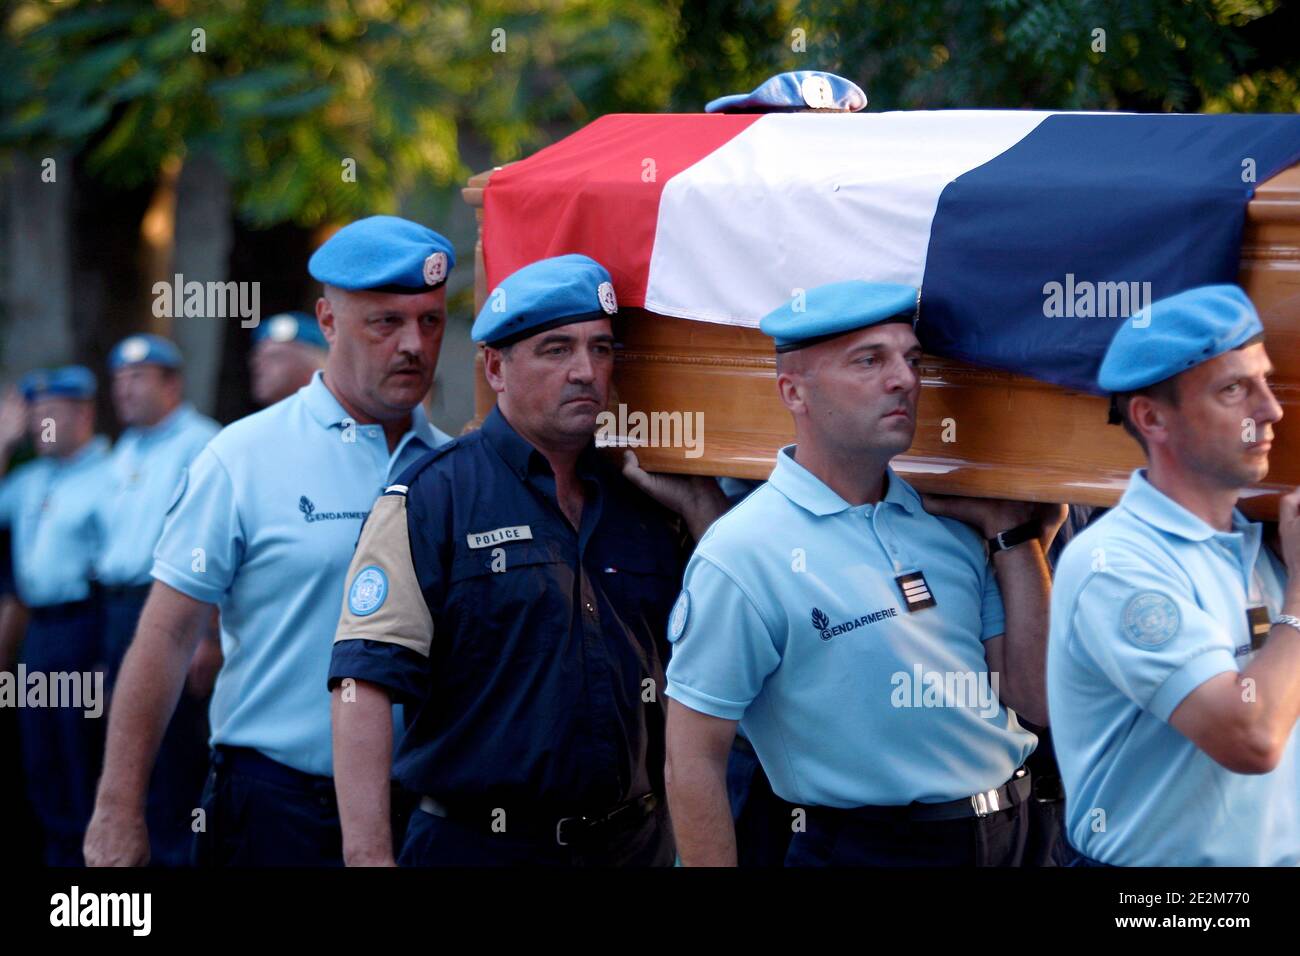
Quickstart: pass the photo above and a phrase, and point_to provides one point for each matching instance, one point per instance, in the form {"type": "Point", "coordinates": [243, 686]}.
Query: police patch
{"type": "Point", "coordinates": [677, 618]}
{"type": "Point", "coordinates": [369, 588]}
{"type": "Point", "coordinates": [1150, 618]}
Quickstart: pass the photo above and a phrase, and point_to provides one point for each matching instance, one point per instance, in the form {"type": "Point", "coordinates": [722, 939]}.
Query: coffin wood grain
{"type": "Point", "coordinates": [1014, 437]}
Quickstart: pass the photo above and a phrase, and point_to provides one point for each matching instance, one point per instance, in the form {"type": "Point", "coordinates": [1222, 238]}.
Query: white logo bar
{"type": "Point", "coordinates": [486, 539]}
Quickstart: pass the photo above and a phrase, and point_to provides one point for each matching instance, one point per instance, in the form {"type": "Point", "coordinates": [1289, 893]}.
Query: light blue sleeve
{"type": "Point", "coordinates": [993, 616]}
{"type": "Point", "coordinates": [722, 650]}
{"type": "Point", "coordinates": [202, 542]}
{"type": "Point", "coordinates": [1148, 637]}
{"type": "Point", "coordinates": [199, 435]}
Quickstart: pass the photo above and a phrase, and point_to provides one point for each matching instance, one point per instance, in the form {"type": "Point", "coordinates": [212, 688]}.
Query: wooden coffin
{"type": "Point", "coordinates": [1014, 437]}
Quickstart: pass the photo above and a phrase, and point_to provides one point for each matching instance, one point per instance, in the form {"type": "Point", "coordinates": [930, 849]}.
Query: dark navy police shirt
{"type": "Point", "coordinates": [530, 656]}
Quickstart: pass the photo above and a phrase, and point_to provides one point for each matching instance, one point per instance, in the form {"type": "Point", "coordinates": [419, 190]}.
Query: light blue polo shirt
{"type": "Point", "coordinates": [265, 528]}
{"type": "Point", "coordinates": [49, 504]}
{"type": "Point", "coordinates": [1148, 604]}
{"type": "Point", "coordinates": [144, 469]}
{"type": "Point", "coordinates": [791, 621]}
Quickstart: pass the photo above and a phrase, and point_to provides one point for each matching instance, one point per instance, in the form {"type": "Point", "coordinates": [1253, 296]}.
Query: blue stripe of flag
{"type": "Point", "coordinates": [1156, 202]}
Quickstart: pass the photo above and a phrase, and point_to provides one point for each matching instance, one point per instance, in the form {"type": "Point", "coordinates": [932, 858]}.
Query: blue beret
{"type": "Point", "coordinates": [791, 92]}
{"type": "Point", "coordinates": [831, 310]}
{"type": "Point", "coordinates": [383, 254]}
{"type": "Point", "coordinates": [68, 381]}
{"type": "Point", "coordinates": [545, 295]}
{"type": "Point", "coordinates": [1175, 334]}
{"type": "Point", "coordinates": [291, 327]}
{"type": "Point", "coordinates": [144, 349]}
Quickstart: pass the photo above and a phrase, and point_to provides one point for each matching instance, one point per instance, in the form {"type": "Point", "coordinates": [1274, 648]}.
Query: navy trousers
{"type": "Point", "coordinates": [62, 746]}
{"type": "Point", "coordinates": [437, 841]}
{"type": "Point", "coordinates": [835, 838]}
{"type": "Point", "coordinates": [258, 812]}
{"type": "Point", "coordinates": [764, 822]}
{"type": "Point", "coordinates": [182, 764]}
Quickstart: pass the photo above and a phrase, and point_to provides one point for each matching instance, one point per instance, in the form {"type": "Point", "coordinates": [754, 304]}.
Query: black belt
{"type": "Point", "coordinates": [564, 830]}
{"type": "Point", "coordinates": [1006, 797]}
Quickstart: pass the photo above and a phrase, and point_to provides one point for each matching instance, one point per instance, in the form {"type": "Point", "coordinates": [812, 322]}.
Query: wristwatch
{"type": "Point", "coordinates": [1288, 619]}
{"type": "Point", "coordinates": [1005, 540]}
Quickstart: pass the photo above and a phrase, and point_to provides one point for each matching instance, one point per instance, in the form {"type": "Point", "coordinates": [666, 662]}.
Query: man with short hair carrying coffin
{"type": "Point", "coordinates": [513, 590]}
{"type": "Point", "coordinates": [858, 632]}
{"type": "Point", "coordinates": [1174, 660]}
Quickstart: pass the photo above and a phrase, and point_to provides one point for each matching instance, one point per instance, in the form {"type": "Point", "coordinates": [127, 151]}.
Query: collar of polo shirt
{"type": "Point", "coordinates": [812, 494]}
{"type": "Point", "coordinates": [1160, 511]}
{"type": "Point", "coordinates": [327, 409]}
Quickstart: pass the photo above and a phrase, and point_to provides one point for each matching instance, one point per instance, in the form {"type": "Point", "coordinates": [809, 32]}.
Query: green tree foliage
{"type": "Point", "coordinates": [282, 92]}
{"type": "Point", "coordinates": [1149, 55]}
{"type": "Point", "coordinates": [726, 46]}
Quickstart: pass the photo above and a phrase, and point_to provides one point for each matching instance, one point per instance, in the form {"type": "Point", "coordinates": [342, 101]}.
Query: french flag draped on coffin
{"type": "Point", "coordinates": [1031, 234]}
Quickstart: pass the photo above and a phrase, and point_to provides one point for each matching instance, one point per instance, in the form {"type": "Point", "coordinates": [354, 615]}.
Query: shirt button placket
{"type": "Point", "coordinates": [889, 544]}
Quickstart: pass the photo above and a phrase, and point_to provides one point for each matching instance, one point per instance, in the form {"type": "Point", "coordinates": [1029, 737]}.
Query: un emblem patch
{"type": "Point", "coordinates": [369, 588]}
{"type": "Point", "coordinates": [1150, 618]}
{"type": "Point", "coordinates": [677, 619]}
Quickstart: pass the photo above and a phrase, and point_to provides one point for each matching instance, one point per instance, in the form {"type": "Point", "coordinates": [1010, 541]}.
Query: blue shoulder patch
{"type": "Point", "coordinates": [678, 617]}
{"type": "Point", "coordinates": [1150, 618]}
{"type": "Point", "coordinates": [368, 591]}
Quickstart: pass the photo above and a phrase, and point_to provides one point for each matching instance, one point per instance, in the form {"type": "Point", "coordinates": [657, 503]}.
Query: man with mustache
{"type": "Point", "coordinates": [859, 638]}
{"type": "Point", "coordinates": [1174, 659]}
{"type": "Point", "coordinates": [513, 589]}
{"type": "Point", "coordinates": [263, 529]}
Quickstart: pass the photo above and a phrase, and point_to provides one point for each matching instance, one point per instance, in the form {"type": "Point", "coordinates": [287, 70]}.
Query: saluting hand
{"type": "Point", "coordinates": [697, 498]}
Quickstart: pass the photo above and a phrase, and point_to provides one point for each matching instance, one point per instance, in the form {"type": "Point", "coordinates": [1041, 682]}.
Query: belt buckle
{"type": "Point", "coordinates": [985, 802]}
{"type": "Point", "coordinates": [559, 828]}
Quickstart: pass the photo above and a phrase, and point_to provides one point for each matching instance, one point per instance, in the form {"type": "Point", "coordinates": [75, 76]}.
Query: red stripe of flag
{"type": "Point", "coordinates": [588, 193]}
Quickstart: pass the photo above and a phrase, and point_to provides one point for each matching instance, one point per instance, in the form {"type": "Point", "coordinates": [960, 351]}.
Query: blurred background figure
{"type": "Point", "coordinates": [147, 470]}
{"type": "Point", "coordinates": [49, 505]}
{"type": "Point", "coordinates": [19, 833]}
{"type": "Point", "coordinates": [287, 350]}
